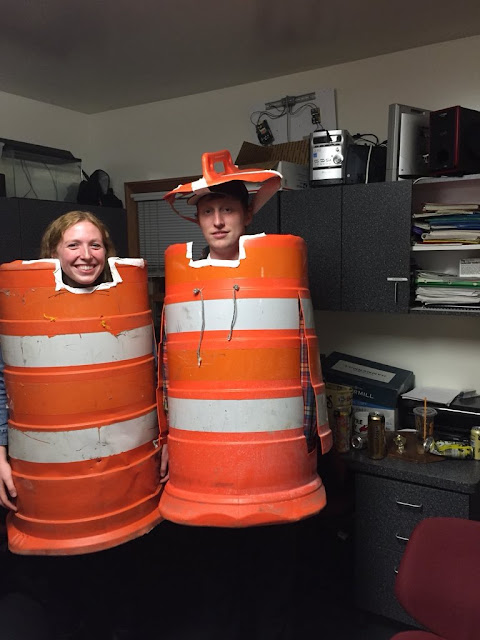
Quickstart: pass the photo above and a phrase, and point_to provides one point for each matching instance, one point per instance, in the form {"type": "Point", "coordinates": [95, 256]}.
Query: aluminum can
{"type": "Point", "coordinates": [342, 430]}
{"type": "Point", "coordinates": [475, 442]}
{"type": "Point", "coordinates": [359, 441]}
{"type": "Point", "coordinates": [452, 449]}
{"type": "Point", "coordinates": [377, 448]}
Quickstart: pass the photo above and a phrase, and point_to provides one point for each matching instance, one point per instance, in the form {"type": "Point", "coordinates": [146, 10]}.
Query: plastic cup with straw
{"type": "Point", "coordinates": [424, 422]}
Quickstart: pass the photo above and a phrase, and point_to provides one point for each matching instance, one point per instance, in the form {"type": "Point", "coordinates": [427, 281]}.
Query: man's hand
{"type": "Point", "coordinates": [164, 464]}
{"type": "Point", "coordinates": [7, 488]}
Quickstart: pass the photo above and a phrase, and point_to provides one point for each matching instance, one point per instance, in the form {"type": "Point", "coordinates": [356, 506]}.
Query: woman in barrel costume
{"type": "Point", "coordinates": [67, 586]}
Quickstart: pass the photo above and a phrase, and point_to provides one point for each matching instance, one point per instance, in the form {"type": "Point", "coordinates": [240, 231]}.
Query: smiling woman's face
{"type": "Point", "coordinates": [81, 252]}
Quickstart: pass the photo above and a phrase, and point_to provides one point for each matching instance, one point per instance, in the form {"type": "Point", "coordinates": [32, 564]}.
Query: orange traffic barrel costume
{"type": "Point", "coordinates": [238, 454]}
{"type": "Point", "coordinates": [83, 426]}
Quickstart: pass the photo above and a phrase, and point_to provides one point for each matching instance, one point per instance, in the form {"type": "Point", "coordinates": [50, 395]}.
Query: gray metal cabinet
{"type": "Point", "coordinates": [315, 215]}
{"type": "Point", "coordinates": [10, 236]}
{"type": "Point", "coordinates": [267, 219]}
{"type": "Point", "coordinates": [376, 220]}
{"type": "Point", "coordinates": [386, 512]}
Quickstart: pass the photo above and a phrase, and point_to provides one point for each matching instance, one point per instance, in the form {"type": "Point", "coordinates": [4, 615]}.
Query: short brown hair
{"type": "Point", "coordinates": [54, 233]}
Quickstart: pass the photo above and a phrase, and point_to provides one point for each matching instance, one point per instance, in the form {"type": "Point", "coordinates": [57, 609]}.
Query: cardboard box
{"type": "Point", "coordinates": [290, 159]}
{"type": "Point", "coordinates": [374, 384]}
{"type": "Point", "coordinates": [297, 152]}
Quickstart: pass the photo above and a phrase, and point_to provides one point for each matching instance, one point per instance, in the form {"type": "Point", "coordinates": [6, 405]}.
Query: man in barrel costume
{"type": "Point", "coordinates": [241, 391]}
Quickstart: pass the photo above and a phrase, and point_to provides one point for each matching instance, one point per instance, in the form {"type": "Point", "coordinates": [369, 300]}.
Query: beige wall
{"type": "Point", "coordinates": [39, 123]}
{"type": "Point", "coordinates": [166, 139]}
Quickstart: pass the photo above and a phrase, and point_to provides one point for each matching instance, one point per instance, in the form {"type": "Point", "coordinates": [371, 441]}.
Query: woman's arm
{"type": "Point", "coordinates": [7, 488]}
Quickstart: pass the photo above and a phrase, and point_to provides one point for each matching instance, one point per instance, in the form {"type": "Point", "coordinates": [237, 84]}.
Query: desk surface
{"type": "Point", "coordinates": [462, 476]}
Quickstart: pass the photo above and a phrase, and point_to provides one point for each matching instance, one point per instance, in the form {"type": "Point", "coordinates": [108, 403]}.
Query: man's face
{"type": "Point", "coordinates": [222, 220]}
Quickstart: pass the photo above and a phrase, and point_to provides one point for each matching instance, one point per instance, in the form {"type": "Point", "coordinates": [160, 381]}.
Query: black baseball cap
{"type": "Point", "coordinates": [234, 188]}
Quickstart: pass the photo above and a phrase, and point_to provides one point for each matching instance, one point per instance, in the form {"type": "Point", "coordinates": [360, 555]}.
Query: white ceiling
{"type": "Point", "coordinates": [96, 55]}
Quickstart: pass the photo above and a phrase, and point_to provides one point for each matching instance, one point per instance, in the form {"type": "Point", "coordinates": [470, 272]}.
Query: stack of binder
{"type": "Point", "coordinates": [447, 224]}
{"type": "Point", "coordinates": [433, 288]}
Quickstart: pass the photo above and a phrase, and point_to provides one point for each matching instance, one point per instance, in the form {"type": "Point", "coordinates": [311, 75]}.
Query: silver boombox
{"type": "Point", "coordinates": [328, 156]}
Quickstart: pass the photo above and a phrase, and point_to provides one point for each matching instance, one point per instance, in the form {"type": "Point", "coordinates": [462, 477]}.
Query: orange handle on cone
{"type": "Point", "coordinates": [208, 166]}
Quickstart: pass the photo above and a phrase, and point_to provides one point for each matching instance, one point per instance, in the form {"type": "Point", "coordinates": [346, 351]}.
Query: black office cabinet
{"type": "Point", "coordinates": [24, 220]}
{"type": "Point", "coordinates": [267, 218]}
{"type": "Point", "coordinates": [376, 221]}
{"type": "Point", "coordinates": [10, 238]}
{"type": "Point", "coordinates": [315, 215]}
{"type": "Point", "coordinates": [386, 512]}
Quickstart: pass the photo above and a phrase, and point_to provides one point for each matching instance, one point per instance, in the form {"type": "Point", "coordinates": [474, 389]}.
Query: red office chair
{"type": "Point", "coordinates": [438, 580]}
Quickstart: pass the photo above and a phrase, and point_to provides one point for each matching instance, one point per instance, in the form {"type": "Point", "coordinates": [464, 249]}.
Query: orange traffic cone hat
{"type": "Point", "coordinates": [270, 182]}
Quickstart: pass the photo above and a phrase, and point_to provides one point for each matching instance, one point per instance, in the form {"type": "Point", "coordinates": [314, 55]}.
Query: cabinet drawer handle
{"type": "Point", "coordinates": [408, 504]}
{"type": "Point", "coordinates": [401, 538]}
{"type": "Point", "coordinates": [396, 281]}
{"type": "Point", "coordinates": [395, 570]}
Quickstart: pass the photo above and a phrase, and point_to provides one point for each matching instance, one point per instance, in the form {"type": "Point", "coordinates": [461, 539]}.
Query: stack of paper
{"type": "Point", "coordinates": [432, 394]}
{"type": "Point", "coordinates": [433, 288]}
{"type": "Point", "coordinates": [447, 224]}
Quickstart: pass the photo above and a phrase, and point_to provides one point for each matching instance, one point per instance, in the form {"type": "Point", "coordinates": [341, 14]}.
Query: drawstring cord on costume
{"type": "Point", "coordinates": [195, 293]}
{"type": "Point", "coordinates": [234, 317]}
{"type": "Point", "coordinates": [202, 330]}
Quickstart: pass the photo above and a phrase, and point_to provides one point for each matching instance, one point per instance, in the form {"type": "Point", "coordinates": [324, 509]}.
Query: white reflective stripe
{"type": "Point", "coordinates": [76, 349]}
{"type": "Point", "coordinates": [82, 444]}
{"type": "Point", "coordinates": [236, 416]}
{"type": "Point", "coordinates": [252, 313]}
{"type": "Point", "coordinates": [308, 316]}
{"type": "Point", "coordinates": [322, 413]}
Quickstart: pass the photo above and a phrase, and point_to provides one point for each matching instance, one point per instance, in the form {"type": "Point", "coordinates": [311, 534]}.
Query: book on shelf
{"type": "Point", "coordinates": [438, 279]}
{"type": "Point", "coordinates": [455, 234]}
{"type": "Point", "coordinates": [457, 206]}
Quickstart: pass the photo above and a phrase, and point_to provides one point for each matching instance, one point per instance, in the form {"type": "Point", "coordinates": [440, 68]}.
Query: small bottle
{"type": "Point", "coordinates": [377, 448]}
{"type": "Point", "coordinates": [475, 442]}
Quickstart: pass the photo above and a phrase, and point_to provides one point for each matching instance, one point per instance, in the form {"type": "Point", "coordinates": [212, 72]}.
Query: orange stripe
{"type": "Point", "coordinates": [52, 326]}
{"type": "Point", "coordinates": [103, 370]}
{"type": "Point", "coordinates": [244, 463]}
{"type": "Point", "coordinates": [81, 394]}
{"type": "Point", "coordinates": [108, 479]}
{"type": "Point", "coordinates": [43, 300]}
{"type": "Point", "coordinates": [223, 391]}
{"type": "Point", "coordinates": [262, 262]}
{"type": "Point", "coordinates": [277, 338]}
{"type": "Point", "coordinates": [252, 364]}
{"type": "Point", "coordinates": [81, 420]}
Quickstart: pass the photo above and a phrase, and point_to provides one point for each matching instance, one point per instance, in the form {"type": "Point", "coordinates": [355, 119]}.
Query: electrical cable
{"type": "Point", "coordinates": [29, 179]}
{"type": "Point", "coordinates": [272, 116]}
{"type": "Point", "coordinates": [287, 110]}
{"type": "Point", "coordinates": [363, 136]}
{"type": "Point", "coordinates": [53, 180]}
{"type": "Point", "coordinates": [367, 168]}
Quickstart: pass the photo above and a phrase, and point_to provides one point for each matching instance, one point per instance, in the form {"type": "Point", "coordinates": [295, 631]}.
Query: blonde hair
{"type": "Point", "coordinates": [55, 230]}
